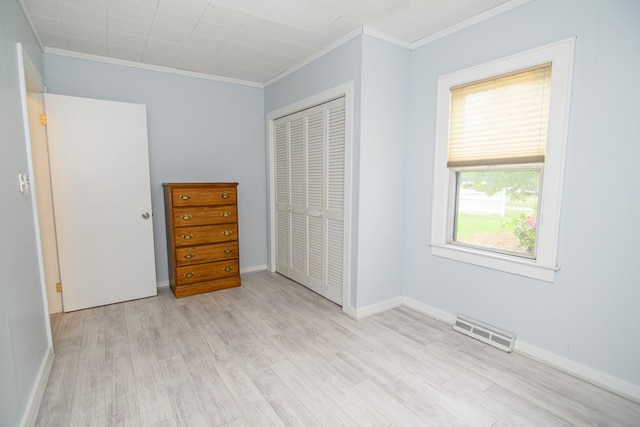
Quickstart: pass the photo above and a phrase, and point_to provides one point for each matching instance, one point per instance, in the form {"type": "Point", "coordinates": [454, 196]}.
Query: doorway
{"type": "Point", "coordinates": [90, 187]}
{"type": "Point", "coordinates": [33, 88]}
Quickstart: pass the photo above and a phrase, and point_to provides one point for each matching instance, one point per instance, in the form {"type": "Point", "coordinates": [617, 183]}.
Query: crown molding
{"type": "Point", "coordinates": [150, 67]}
{"type": "Point", "coordinates": [368, 31]}
{"type": "Point", "coordinates": [364, 30]}
{"type": "Point", "coordinates": [344, 39]}
{"type": "Point", "coordinates": [498, 10]}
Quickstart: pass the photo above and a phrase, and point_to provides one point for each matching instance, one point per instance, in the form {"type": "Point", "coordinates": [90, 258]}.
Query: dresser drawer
{"type": "Point", "coordinates": [195, 196]}
{"type": "Point", "coordinates": [210, 271]}
{"type": "Point", "coordinates": [205, 234]}
{"type": "Point", "coordinates": [207, 286]}
{"type": "Point", "coordinates": [189, 255]}
{"type": "Point", "coordinates": [204, 215]}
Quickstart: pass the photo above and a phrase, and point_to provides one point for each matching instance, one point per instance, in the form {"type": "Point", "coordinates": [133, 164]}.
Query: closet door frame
{"type": "Point", "coordinates": [346, 91]}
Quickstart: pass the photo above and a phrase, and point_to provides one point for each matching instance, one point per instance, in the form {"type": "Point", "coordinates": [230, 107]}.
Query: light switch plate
{"type": "Point", "coordinates": [23, 183]}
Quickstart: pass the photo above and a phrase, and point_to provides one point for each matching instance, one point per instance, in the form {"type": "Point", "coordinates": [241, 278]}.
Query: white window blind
{"type": "Point", "coordinates": [500, 121]}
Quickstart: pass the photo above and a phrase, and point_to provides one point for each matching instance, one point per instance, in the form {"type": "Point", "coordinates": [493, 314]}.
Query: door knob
{"type": "Point", "coordinates": [146, 215]}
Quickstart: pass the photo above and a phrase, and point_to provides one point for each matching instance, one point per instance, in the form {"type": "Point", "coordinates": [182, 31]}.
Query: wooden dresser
{"type": "Point", "coordinates": [202, 237]}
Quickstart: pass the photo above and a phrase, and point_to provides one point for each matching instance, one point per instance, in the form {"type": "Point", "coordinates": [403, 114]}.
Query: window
{"type": "Point", "coordinates": [500, 141]}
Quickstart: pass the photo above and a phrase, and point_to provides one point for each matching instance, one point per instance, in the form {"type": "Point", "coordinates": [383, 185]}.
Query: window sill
{"type": "Point", "coordinates": [521, 267]}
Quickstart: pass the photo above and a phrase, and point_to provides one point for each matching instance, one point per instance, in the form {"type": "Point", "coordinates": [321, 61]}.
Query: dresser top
{"type": "Point", "coordinates": [199, 184]}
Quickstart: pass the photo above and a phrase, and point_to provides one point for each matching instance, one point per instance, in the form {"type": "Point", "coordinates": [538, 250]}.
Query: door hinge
{"type": "Point", "coordinates": [59, 287]}
{"type": "Point", "coordinates": [43, 119]}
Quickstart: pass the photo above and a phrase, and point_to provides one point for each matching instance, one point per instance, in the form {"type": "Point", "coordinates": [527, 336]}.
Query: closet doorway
{"type": "Point", "coordinates": [310, 193]}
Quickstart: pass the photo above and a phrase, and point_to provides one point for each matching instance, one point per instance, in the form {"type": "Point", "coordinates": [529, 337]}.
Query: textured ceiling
{"type": "Point", "coordinates": [251, 40]}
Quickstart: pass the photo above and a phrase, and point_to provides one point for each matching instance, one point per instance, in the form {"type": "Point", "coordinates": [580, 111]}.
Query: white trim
{"type": "Point", "coordinates": [593, 376]}
{"type": "Point", "coordinates": [351, 312]}
{"type": "Point", "coordinates": [488, 14]}
{"type": "Point", "coordinates": [313, 100]}
{"type": "Point", "coordinates": [30, 415]}
{"type": "Point", "coordinates": [561, 54]}
{"type": "Point", "coordinates": [345, 90]}
{"type": "Point", "coordinates": [31, 69]}
{"type": "Point", "coordinates": [436, 313]}
{"type": "Point", "coordinates": [25, 65]}
{"type": "Point", "coordinates": [271, 195]}
{"type": "Point", "coordinates": [495, 261]}
{"type": "Point", "coordinates": [348, 89]}
{"type": "Point", "coordinates": [150, 67]}
{"type": "Point", "coordinates": [162, 285]}
{"type": "Point", "coordinates": [253, 269]}
{"type": "Point", "coordinates": [381, 307]}
{"type": "Point", "coordinates": [364, 30]}
{"type": "Point", "coordinates": [348, 37]}
{"type": "Point", "coordinates": [368, 31]}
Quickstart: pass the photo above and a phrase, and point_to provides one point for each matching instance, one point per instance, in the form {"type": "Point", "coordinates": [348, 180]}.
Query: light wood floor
{"type": "Point", "coordinates": [273, 353]}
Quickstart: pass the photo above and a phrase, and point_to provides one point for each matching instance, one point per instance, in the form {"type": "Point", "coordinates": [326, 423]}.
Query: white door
{"type": "Point", "coordinates": [102, 204]}
{"type": "Point", "coordinates": [310, 196]}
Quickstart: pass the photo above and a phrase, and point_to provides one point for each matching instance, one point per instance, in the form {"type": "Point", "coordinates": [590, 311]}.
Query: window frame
{"type": "Point", "coordinates": [544, 266]}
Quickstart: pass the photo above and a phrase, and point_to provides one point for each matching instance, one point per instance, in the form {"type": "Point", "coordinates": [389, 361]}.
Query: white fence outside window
{"type": "Point", "coordinates": [477, 202]}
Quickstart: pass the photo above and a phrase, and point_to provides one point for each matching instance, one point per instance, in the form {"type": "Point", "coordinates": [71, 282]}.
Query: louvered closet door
{"type": "Point", "coordinates": [334, 214]}
{"type": "Point", "coordinates": [282, 216]}
{"type": "Point", "coordinates": [298, 196]}
{"type": "Point", "coordinates": [310, 197]}
{"type": "Point", "coordinates": [316, 137]}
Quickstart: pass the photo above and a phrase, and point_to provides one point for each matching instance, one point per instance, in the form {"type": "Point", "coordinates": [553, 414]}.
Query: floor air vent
{"type": "Point", "coordinates": [487, 334]}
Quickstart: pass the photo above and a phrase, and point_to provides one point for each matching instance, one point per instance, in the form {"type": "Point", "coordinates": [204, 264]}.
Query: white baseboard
{"type": "Point", "coordinates": [380, 307]}
{"type": "Point", "coordinates": [593, 376]}
{"type": "Point", "coordinates": [350, 311]}
{"type": "Point", "coordinates": [30, 415]}
{"type": "Point", "coordinates": [601, 379]}
{"type": "Point", "coordinates": [436, 313]}
{"type": "Point", "coordinates": [163, 284]}
{"type": "Point", "coordinates": [254, 269]}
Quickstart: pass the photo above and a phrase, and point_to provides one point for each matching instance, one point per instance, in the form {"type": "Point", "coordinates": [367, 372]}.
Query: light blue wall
{"type": "Point", "coordinates": [381, 220]}
{"type": "Point", "coordinates": [590, 313]}
{"type": "Point", "coordinates": [199, 130]}
{"type": "Point", "coordinates": [23, 335]}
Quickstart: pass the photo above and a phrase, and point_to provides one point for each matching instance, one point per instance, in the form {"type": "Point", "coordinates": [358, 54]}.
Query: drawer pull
{"type": "Point", "coordinates": [186, 217]}
{"type": "Point", "coordinates": [227, 251]}
{"type": "Point", "coordinates": [225, 195]}
{"type": "Point", "coordinates": [187, 236]}
{"type": "Point", "coordinates": [188, 256]}
{"type": "Point", "coordinates": [225, 214]}
{"type": "Point", "coordinates": [227, 232]}
{"type": "Point", "coordinates": [185, 196]}
{"type": "Point", "coordinates": [227, 268]}
{"type": "Point", "coordinates": [188, 275]}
